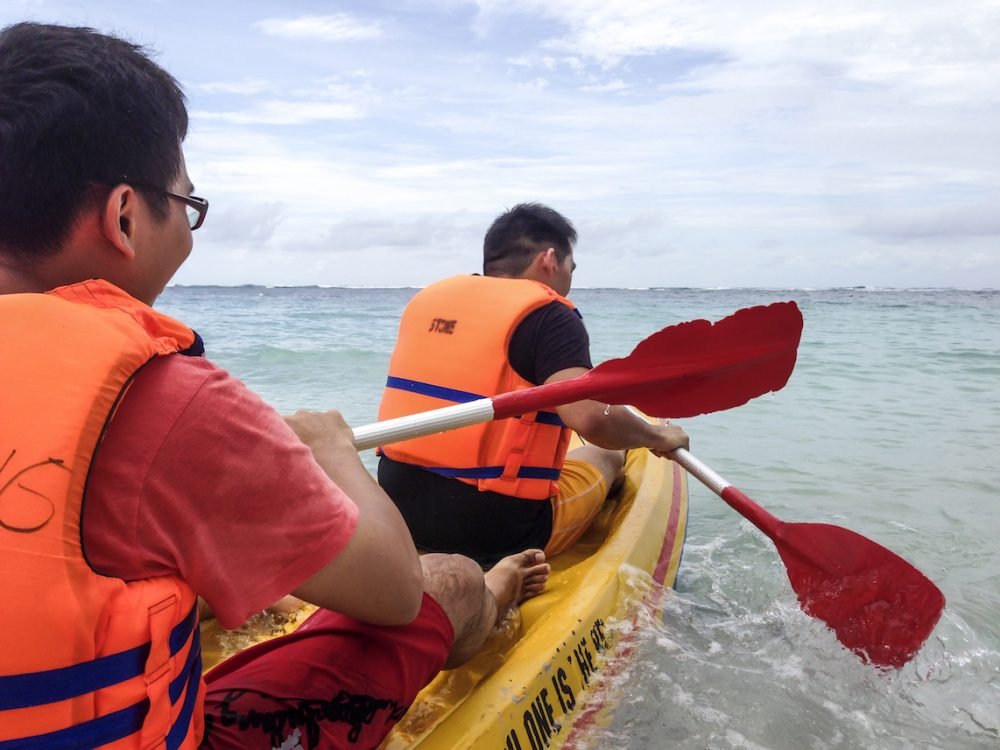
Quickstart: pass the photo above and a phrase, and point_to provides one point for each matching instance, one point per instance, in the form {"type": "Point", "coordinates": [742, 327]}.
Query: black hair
{"type": "Point", "coordinates": [79, 109]}
{"type": "Point", "coordinates": [516, 236]}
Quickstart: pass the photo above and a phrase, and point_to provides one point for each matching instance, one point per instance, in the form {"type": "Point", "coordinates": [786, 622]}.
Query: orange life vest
{"type": "Point", "coordinates": [85, 660]}
{"type": "Point", "coordinates": [452, 348]}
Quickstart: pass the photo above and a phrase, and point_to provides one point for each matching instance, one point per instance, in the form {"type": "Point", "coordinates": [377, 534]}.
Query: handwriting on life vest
{"type": "Point", "coordinates": [440, 325]}
{"type": "Point", "coordinates": [23, 509]}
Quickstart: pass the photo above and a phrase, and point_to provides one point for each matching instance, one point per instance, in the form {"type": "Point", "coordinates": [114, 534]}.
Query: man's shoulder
{"type": "Point", "coordinates": [549, 339]}
{"type": "Point", "coordinates": [179, 373]}
{"type": "Point", "coordinates": [165, 387]}
{"type": "Point", "coordinates": [553, 314]}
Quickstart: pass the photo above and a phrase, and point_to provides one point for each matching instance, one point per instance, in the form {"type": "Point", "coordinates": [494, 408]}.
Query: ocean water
{"type": "Point", "coordinates": [889, 426]}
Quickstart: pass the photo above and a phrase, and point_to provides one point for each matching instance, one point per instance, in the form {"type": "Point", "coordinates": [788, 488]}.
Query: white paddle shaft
{"type": "Point", "coordinates": [699, 471]}
{"type": "Point", "coordinates": [423, 423]}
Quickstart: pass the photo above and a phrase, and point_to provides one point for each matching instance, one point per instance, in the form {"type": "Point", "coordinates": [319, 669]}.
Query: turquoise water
{"type": "Point", "coordinates": [890, 426]}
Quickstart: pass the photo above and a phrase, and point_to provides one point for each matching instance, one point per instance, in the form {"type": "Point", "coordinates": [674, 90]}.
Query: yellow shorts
{"type": "Point", "coordinates": [582, 491]}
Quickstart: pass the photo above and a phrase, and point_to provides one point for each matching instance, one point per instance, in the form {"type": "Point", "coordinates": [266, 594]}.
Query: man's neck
{"type": "Point", "coordinates": [528, 275]}
{"type": "Point", "coordinates": [14, 279]}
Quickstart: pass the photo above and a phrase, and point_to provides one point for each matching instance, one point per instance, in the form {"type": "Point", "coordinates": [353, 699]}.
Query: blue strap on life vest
{"type": "Point", "coordinates": [458, 397]}
{"type": "Point", "coordinates": [53, 685]}
{"type": "Point", "coordinates": [461, 397]}
{"type": "Point", "coordinates": [495, 472]}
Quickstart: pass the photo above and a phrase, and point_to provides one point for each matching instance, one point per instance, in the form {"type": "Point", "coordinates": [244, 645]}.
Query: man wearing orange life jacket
{"type": "Point", "coordinates": [486, 489]}
{"type": "Point", "coordinates": [126, 456]}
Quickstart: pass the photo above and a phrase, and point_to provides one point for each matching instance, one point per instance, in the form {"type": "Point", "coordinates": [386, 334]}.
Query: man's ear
{"type": "Point", "coordinates": [550, 262]}
{"type": "Point", "coordinates": [119, 219]}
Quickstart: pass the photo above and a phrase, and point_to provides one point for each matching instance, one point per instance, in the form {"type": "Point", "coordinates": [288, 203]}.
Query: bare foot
{"type": "Point", "coordinates": [517, 577]}
{"type": "Point", "coordinates": [286, 605]}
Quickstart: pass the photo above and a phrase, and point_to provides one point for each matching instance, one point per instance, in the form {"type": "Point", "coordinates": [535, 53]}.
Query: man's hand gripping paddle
{"type": "Point", "coordinates": [879, 605]}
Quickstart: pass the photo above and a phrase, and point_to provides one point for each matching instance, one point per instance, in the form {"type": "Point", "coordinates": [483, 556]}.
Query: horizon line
{"type": "Point", "coordinates": [859, 288]}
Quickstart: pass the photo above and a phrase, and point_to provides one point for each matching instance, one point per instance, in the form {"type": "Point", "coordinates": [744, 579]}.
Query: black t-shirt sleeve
{"type": "Point", "coordinates": [550, 339]}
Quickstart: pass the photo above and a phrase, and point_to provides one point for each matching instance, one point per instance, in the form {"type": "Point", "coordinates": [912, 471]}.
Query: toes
{"type": "Point", "coordinates": [539, 571]}
{"type": "Point", "coordinates": [533, 557]}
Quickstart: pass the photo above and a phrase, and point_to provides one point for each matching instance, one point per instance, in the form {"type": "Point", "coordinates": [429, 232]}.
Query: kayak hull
{"type": "Point", "coordinates": [530, 691]}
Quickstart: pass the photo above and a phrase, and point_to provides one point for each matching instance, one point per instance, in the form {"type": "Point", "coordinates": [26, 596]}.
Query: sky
{"type": "Point", "coordinates": [697, 143]}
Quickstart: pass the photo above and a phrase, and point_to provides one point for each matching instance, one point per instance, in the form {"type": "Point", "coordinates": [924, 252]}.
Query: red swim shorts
{"type": "Point", "coordinates": [333, 683]}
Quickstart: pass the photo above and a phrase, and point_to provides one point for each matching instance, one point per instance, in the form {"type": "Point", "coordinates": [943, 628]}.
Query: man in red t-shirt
{"type": "Point", "coordinates": [194, 478]}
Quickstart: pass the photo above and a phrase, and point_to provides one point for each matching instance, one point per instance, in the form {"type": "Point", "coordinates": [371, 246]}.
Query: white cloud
{"type": "Point", "coordinates": [244, 87]}
{"type": "Point", "coordinates": [245, 224]}
{"type": "Point", "coordinates": [601, 88]}
{"type": "Point", "coordinates": [340, 27]}
{"type": "Point", "coordinates": [285, 112]}
{"type": "Point", "coordinates": [426, 235]}
{"type": "Point", "coordinates": [535, 84]}
{"type": "Point", "coordinates": [927, 47]}
{"type": "Point", "coordinates": [982, 220]}
{"type": "Point", "coordinates": [706, 142]}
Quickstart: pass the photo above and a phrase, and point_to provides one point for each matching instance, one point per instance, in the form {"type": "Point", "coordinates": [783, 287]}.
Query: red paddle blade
{"type": "Point", "coordinates": [700, 367]}
{"type": "Point", "coordinates": [879, 605]}
{"type": "Point", "coordinates": [684, 370]}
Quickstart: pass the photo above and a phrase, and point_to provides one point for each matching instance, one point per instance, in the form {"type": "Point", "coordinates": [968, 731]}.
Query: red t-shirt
{"type": "Point", "coordinates": [198, 477]}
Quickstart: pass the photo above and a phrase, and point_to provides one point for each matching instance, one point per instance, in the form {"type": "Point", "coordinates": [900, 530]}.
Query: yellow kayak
{"type": "Point", "coordinates": [533, 682]}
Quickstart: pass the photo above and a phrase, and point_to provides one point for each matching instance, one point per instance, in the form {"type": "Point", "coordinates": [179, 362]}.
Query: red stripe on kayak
{"type": "Point", "coordinates": [616, 664]}
{"type": "Point", "coordinates": [670, 536]}
{"type": "Point", "coordinates": [620, 659]}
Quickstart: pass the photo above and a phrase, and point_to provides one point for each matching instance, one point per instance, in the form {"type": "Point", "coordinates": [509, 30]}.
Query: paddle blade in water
{"type": "Point", "coordinates": [687, 369]}
{"type": "Point", "coordinates": [879, 605]}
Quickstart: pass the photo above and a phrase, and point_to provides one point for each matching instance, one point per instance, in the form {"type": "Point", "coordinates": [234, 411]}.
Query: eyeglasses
{"type": "Point", "coordinates": [197, 208]}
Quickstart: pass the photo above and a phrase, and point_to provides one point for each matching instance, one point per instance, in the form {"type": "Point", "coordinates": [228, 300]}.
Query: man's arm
{"type": "Point", "coordinates": [551, 344]}
{"type": "Point", "coordinates": [198, 477]}
{"type": "Point", "coordinates": [615, 427]}
{"type": "Point", "coordinates": [377, 577]}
